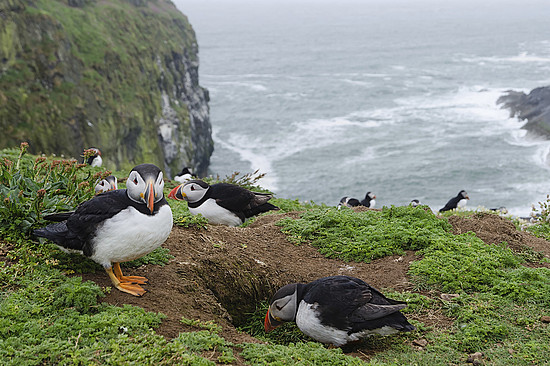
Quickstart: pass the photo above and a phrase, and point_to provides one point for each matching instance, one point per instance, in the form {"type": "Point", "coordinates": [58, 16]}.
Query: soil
{"type": "Point", "coordinates": [220, 273]}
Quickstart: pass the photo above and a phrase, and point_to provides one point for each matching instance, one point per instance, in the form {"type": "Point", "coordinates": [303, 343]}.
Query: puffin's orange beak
{"type": "Point", "coordinates": [176, 193]}
{"type": "Point", "coordinates": [150, 197]}
{"type": "Point", "coordinates": [270, 323]}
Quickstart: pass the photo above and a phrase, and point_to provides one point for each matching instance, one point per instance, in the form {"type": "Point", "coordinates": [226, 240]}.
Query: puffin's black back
{"type": "Point", "coordinates": [453, 202]}
{"type": "Point", "coordinates": [79, 228]}
{"type": "Point", "coordinates": [342, 299]}
{"type": "Point", "coordinates": [239, 200]}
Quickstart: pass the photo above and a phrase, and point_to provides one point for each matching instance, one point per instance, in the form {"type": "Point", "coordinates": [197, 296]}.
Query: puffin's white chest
{"type": "Point", "coordinates": [462, 203]}
{"type": "Point", "coordinates": [372, 203]}
{"type": "Point", "coordinates": [97, 161]}
{"type": "Point", "coordinates": [216, 214]}
{"type": "Point", "coordinates": [130, 235]}
{"type": "Point", "coordinates": [307, 319]}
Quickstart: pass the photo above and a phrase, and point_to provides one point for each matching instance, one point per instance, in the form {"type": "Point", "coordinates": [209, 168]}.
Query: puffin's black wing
{"type": "Point", "coordinates": [379, 312]}
{"type": "Point", "coordinates": [59, 216]}
{"type": "Point", "coordinates": [240, 200]}
{"type": "Point", "coordinates": [79, 228]}
{"type": "Point", "coordinates": [453, 202]}
{"type": "Point", "coordinates": [338, 297]}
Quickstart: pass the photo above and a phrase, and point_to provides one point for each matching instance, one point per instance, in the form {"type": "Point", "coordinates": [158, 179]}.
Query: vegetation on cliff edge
{"type": "Point", "coordinates": [49, 317]}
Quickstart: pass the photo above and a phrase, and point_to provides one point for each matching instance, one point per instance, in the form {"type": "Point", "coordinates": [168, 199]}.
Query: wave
{"type": "Point", "coordinates": [238, 144]}
{"type": "Point", "coordinates": [253, 86]}
{"type": "Point", "coordinates": [522, 57]}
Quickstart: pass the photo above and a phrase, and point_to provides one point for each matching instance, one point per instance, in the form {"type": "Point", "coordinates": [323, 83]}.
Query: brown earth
{"type": "Point", "coordinates": [220, 273]}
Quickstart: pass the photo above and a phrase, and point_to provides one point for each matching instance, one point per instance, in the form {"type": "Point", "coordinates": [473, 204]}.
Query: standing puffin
{"type": "Point", "coordinates": [117, 226]}
{"type": "Point", "coordinates": [184, 176]}
{"type": "Point", "coordinates": [336, 310]}
{"type": "Point", "coordinates": [369, 200]}
{"type": "Point", "coordinates": [222, 203]}
{"type": "Point", "coordinates": [349, 202]}
{"type": "Point", "coordinates": [459, 201]}
{"type": "Point", "coordinates": [107, 184]}
{"type": "Point", "coordinates": [95, 159]}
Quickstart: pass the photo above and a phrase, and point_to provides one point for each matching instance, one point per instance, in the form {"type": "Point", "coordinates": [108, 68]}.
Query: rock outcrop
{"type": "Point", "coordinates": [533, 108]}
{"type": "Point", "coordinates": [120, 75]}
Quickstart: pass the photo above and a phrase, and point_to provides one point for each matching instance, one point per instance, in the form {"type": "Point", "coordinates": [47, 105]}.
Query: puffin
{"type": "Point", "coordinates": [336, 310]}
{"type": "Point", "coordinates": [95, 160]}
{"type": "Point", "coordinates": [222, 203]}
{"type": "Point", "coordinates": [415, 203]}
{"type": "Point", "coordinates": [107, 184]}
{"type": "Point", "coordinates": [184, 176]}
{"type": "Point", "coordinates": [369, 200]}
{"type": "Point", "coordinates": [349, 202]}
{"type": "Point", "coordinates": [459, 201]}
{"type": "Point", "coordinates": [117, 226]}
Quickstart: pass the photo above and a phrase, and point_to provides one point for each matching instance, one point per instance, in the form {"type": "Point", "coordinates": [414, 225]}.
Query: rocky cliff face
{"type": "Point", "coordinates": [533, 107]}
{"type": "Point", "coordinates": [120, 75]}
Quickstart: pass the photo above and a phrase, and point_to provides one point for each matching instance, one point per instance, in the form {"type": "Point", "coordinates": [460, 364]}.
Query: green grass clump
{"type": "Point", "coordinates": [296, 354]}
{"type": "Point", "coordinates": [366, 235]}
{"type": "Point", "coordinates": [285, 334]}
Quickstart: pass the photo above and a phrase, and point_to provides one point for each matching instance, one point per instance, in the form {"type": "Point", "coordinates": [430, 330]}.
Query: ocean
{"type": "Point", "coordinates": [397, 97]}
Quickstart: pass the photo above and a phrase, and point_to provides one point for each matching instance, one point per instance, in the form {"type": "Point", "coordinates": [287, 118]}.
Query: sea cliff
{"type": "Point", "coordinates": [120, 75]}
{"type": "Point", "coordinates": [533, 108]}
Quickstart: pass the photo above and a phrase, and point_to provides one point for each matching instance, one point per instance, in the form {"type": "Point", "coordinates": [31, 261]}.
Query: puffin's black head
{"type": "Point", "coordinates": [369, 196]}
{"type": "Point", "coordinates": [107, 184]}
{"type": "Point", "coordinates": [463, 195]}
{"type": "Point", "coordinates": [283, 306]}
{"type": "Point", "coordinates": [191, 191]}
{"type": "Point", "coordinates": [145, 184]}
{"type": "Point", "coordinates": [186, 171]}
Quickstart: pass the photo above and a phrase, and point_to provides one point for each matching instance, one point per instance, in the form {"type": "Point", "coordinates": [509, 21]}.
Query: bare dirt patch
{"type": "Point", "coordinates": [493, 229]}
{"type": "Point", "coordinates": [220, 273]}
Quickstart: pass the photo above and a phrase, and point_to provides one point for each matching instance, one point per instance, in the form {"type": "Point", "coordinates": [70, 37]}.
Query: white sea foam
{"type": "Point", "coordinates": [523, 57]}
{"type": "Point", "coordinates": [253, 86]}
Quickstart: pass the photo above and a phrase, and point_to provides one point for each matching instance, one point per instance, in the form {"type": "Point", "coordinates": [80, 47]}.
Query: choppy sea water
{"type": "Point", "coordinates": [337, 98]}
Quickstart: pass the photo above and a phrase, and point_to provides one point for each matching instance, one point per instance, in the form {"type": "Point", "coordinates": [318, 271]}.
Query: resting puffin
{"type": "Point", "coordinates": [459, 201]}
{"type": "Point", "coordinates": [107, 184]}
{"type": "Point", "coordinates": [117, 226]}
{"type": "Point", "coordinates": [95, 160]}
{"type": "Point", "coordinates": [222, 203]}
{"type": "Point", "coordinates": [184, 176]}
{"type": "Point", "coordinates": [349, 202]}
{"type": "Point", "coordinates": [336, 310]}
{"type": "Point", "coordinates": [369, 200]}
{"type": "Point", "coordinates": [415, 203]}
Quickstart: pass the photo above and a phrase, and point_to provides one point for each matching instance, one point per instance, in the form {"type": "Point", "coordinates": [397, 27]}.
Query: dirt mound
{"type": "Point", "coordinates": [221, 273]}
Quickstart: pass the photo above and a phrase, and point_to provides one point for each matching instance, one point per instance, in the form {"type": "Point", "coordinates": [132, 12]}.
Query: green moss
{"type": "Point", "coordinates": [92, 78]}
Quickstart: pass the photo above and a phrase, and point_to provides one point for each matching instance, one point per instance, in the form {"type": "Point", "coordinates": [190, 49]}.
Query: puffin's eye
{"type": "Point", "coordinates": [135, 181]}
{"type": "Point", "coordinates": [192, 188]}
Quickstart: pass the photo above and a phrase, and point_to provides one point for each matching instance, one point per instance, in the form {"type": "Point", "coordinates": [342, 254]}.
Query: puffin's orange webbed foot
{"type": "Point", "coordinates": [128, 287]}
{"type": "Point", "coordinates": [131, 279]}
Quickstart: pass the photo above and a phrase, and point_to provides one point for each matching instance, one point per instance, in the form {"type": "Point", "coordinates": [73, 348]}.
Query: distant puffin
{"type": "Point", "coordinates": [415, 203]}
{"type": "Point", "coordinates": [336, 310]}
{"type": "Point", "coordinates": [459, 201]}
{"type": "Point", "coordinates": [95, 160]}
{"type": "Point", "coordinates": [117, 226]}
{"type": "Point", "coordinates": [349, 202]}
{"type": "Point", "coordinates": [369, 200]}
{"type": "Point", "coordinates": [184, 176]}
{"type": "Point", "coordinates": [107, 184]}
{"type": "Point", "coordinates": [222, 203]}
